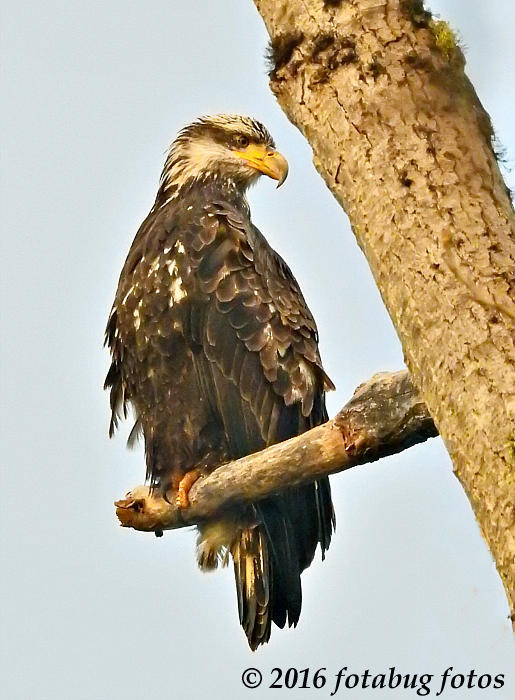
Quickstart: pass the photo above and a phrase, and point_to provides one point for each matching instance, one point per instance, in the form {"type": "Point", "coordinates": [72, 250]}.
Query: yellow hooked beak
{"type": "Point", "coordinates": [267, 160]}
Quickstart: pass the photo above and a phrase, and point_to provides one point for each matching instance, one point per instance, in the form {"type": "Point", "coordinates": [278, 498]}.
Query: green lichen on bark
{"type": "Point", "coordinates": [446, 41]}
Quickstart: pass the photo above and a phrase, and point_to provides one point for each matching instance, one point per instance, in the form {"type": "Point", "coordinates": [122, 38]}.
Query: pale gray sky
{"type": "Point", "coordinates": [92, 93]}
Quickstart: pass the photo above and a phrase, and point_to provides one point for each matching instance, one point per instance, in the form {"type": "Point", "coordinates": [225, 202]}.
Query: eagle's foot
{"type": "Point", "coordinates": [182, 500]}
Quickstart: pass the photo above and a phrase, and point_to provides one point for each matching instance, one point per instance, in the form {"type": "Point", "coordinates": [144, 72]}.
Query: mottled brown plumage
{"type": "Point", "coordinates": [215, 349]}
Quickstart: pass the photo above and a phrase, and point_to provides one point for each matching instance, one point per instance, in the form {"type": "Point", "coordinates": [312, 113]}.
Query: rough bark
{"type": "Point", "coordinates": [398, 134]}
{"type": "Point", "coordinates": [385, 415]}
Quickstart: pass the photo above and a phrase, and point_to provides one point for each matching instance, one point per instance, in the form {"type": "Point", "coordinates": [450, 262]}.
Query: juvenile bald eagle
{"type": "Point", "coordinates": [214, 348]}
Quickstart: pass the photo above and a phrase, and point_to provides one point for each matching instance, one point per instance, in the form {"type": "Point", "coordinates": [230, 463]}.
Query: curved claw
{"type": "Point", "coordinates": [182, 500]}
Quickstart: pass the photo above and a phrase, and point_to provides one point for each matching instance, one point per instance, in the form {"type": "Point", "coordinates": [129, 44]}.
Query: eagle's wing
{"type": "Point", "coordinates": [255, 327]}
{"type": "Point", "coordinates": [256, 354]}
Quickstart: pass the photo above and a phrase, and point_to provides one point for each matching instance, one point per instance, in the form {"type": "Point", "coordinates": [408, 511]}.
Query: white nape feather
{"type": "Point", "coordinates": [192, 160]}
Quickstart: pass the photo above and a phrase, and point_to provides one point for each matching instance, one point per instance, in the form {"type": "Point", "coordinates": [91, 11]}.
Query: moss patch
{"type": "Point", "coordinates": [445, 39]}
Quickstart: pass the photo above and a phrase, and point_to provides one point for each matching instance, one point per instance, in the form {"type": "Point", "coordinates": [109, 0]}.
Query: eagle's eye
{"type": "Point", "coordinates": [241, 141]}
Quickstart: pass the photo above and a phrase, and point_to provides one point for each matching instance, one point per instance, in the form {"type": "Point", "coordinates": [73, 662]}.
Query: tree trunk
{"type": "Point", "coordinates": [398, 134]}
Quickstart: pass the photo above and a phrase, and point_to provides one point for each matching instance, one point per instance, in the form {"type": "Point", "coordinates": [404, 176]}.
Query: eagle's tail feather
{"type": "Point", "coordinates": [253, 571]}
{"type": "Point", "coordinates": [267, 566]}
{"type": "Point", "coordinates": [253, 574]}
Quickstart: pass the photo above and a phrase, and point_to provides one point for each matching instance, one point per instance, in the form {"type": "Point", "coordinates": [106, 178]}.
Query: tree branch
{"type": "Point", "coordinates": [385, 416]}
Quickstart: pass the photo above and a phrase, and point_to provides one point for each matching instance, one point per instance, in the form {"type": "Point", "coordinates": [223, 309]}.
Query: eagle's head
{"type": "Point", "coordinates": [226, 148]}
